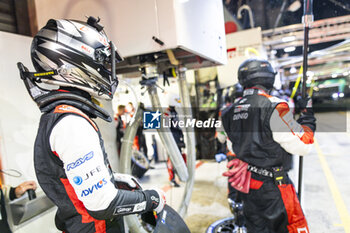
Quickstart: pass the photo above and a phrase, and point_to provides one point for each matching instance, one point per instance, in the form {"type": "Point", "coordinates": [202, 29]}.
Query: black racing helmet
{"type": "Point", "coordinates": [79, 53]}
{"type": "Point", "coordinates": [256, 72]}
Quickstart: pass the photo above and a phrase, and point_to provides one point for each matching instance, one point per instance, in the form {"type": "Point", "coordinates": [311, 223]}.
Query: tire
{"type": "Point", "coordinates": [139, 164]}
{"type": "Point", "coordinates": [226, 225]}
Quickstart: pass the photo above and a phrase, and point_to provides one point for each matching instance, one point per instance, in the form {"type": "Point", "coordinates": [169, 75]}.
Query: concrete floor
{"type": "Point", "coordinates": [326, 183]}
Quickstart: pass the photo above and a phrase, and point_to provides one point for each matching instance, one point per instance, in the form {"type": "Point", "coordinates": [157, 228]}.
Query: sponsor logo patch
{"type": "Point", "coordinates": [92, 173]}
{"type": "Point", "coordinates": [78, 180]}
{"type": "Point", "coordinates": [140, 206]}
{"type": "Point", "coordinates": [240, 116]}
{"type": "Point", "coordinates": [123, 209]}
{"type": "Point", "coordinates": [95, 187]}
{"type": "Point", "coordinates": [80, 161]}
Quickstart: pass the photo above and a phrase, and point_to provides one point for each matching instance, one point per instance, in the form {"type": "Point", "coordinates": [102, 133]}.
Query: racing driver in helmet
{"type": "Point", "coordinates": [70, 161]}
{"type": "Point", "coordinates": [264, 135]}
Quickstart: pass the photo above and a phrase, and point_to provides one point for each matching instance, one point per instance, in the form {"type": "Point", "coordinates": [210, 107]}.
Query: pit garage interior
{"type": "Point", "coordinates": [186, 54]}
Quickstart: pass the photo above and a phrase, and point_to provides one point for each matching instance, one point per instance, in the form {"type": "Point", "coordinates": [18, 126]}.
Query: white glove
{"type": "Point", "coordinates": [162, 201]}
{"type": "Point", "coordinates": [127, 179]}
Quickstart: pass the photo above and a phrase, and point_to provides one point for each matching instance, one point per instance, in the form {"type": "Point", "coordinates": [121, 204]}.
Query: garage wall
{"type": "Point", "coordinates": [19, 117]}
{"type": "Point", "coordinates": [19, 114]}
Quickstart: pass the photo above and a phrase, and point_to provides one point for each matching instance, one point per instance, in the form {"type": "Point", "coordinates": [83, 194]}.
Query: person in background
{"type": "Point", "coordinates": [264, 136]}
{"type": "Point", "coordinates": [120, 126]}
{"type": "Point", "coordinates": [8, 193]}
{"type": "Point", "coordinates": [130, 111]}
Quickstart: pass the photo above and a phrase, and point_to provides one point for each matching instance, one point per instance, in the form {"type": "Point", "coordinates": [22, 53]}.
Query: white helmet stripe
{"type": "Point", "coordinates": [69, 27]}
{"type": "Point", "coordinates": [76, 45]}
{"type": "Point", "coordinates": [43, 65]}
{"type": "Point", "coordinates": [53, 47]}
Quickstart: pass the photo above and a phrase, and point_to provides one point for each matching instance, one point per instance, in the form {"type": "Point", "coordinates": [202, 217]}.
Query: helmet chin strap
{"type": "Point", "coordinates": [48, 100]}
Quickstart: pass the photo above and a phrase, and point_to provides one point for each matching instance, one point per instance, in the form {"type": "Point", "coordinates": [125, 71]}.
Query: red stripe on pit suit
{"type": "Point", "coordinates": [255, 184]}
{"type": "Point", "coordinates": [229, 153]}
{"type": "Point", "coordinates": [55, 153]}
{"type": "Point", "coordinates": [296, 219]}
{"type": "Point", "coordinates": [262, 92]}
{"type": "Point", "coordinates": [100, 225]}
{"type": "Point", "coordinates": [282, 109]}
{"type": "Point", "coordinates": [308, 136]}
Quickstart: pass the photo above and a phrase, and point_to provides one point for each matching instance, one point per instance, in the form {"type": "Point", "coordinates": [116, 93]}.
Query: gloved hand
{"type": "Point", "coordinates": [308, 120]}
{"type": "Point", "coordinates": [220, 157]}
{"type": "Point", "coordinates": [156, 199]}
{"type": "Point", "coordinates": [239, 176]}
{"type": "Point", "coordinates": [125, 181]}
{"type": "Point", "coordinates": [305, 105]}
{"type": "Point", "coordinates": [235, 166]}
{"type": "Point", "coordinates": [307, 117]}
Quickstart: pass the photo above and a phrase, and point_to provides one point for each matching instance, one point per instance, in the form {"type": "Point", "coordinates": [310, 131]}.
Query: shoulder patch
{"type": "Point", "coordinates": [263, 93]}
{"type": "Point", "coordinates": [274, 99]}
{"type": "Point", "coordinates": [226, 110]}
{"type": "Point", "coordinates": [70, 109]}
{"type": "Point", "coordinates": [282, 109]}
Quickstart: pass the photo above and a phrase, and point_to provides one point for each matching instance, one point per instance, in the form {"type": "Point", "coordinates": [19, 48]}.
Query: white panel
{"type": "Point", "coordinates": [19, 120]}
{"type": "Point", "coordinates": [167, 23]}
{"type": "Point", "coordinates": [237, 44]}
{"type": "Point", "coordinates": [194, 25]}
{"type": "Point", "coordinates": [136, 22]}
{"type": "Point", "coordinates": [200, 28]}
{"type": "Point", "coordinates": [19, 114]}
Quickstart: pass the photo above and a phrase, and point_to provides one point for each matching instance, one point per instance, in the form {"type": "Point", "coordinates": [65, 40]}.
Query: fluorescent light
{"type": "Point", "coordinates": [310, 73]}
{"type": "Point", "coordinates": [341, 95]}
{"type": "Point", "coordinates": [288, 38]}
{"type": "Point", "coordinates": [294, 6]}
{"type": "Point", "coordinates": [335, 95]}
{"type": "Point", "coordinates": [292, 70]}
{"type": "Point", "coordinates": [334, 75]}
{"type": "Point", "coordinates": [346, 73]}
{"type": "Point", "coordinates": [289, 49]}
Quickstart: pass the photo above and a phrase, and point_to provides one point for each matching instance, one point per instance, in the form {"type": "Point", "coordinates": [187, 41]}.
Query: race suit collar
{"type": "Point", "coordinates": [255, 89]}
{"type": "Point", "coordinates": [48, 102]}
